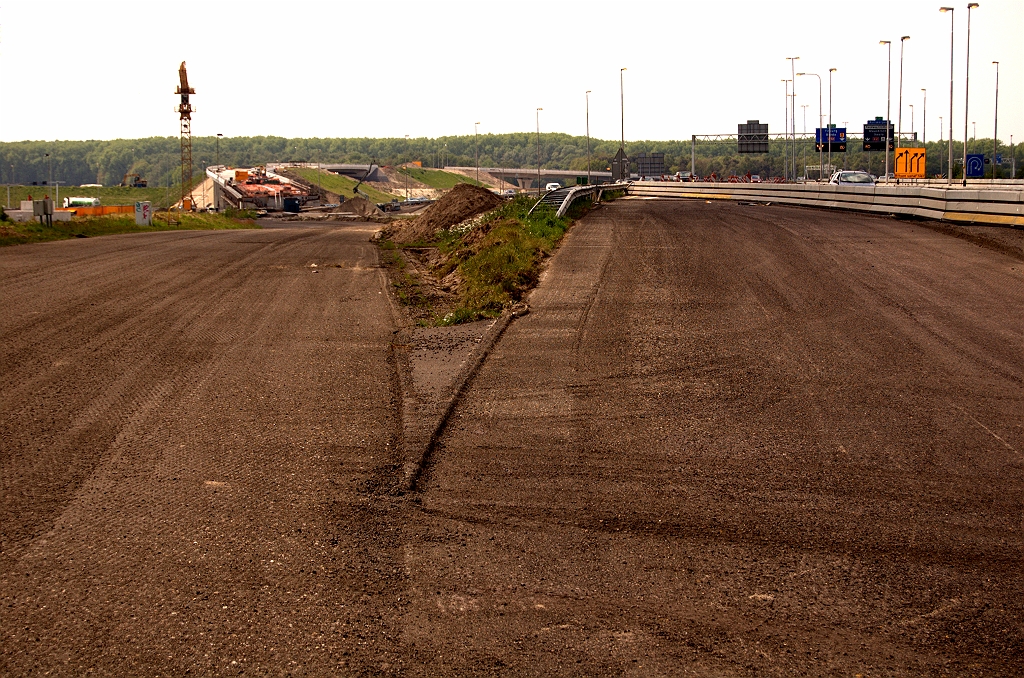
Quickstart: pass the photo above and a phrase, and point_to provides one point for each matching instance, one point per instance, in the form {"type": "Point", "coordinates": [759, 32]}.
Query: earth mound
{"type": "Point", "coordinates": [464, 201]}
{"type": "Point", "coordinates": [360, 206]}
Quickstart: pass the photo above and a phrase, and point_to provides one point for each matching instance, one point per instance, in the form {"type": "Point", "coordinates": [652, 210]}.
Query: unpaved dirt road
{"type": "Point", "coordinates": [727, 440]}
{"type": "Point", "coordinates": [736, 440]}
{"type": "Point", "coordinates": [194, 426]}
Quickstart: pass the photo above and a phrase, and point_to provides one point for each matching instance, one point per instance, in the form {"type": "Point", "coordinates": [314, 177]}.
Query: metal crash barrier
{"type": "Point", "coordinates": [997, 206]}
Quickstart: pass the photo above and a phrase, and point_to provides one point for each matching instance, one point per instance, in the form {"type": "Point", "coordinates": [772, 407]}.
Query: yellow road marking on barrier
{"type": "Point", "coordinates": [1005, 219]}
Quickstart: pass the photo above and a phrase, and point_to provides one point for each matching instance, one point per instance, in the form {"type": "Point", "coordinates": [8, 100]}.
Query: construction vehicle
{"type": "Point", "coordinates": [133, 180]}
{"type": "Point", "coordinates": [355, 189]}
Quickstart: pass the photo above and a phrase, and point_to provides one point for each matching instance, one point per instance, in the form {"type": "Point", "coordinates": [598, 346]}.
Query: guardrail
{"type": "Point", "coordinates": [575, 193]}
{"type": "Point", "coordinates": [1002, 206]}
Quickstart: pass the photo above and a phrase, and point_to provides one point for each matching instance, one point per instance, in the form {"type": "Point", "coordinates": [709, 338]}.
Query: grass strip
{"type": "Point", "coordinates": [437, 178]}
{"type": "Point", "coordinates": [340, 184]}
{"type": "Point", "coordinates": [159, 196]}
{"type": "Point", "coordinates": [88, 227]}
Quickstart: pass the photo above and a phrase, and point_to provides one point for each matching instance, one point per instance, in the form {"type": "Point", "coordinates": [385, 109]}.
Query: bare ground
{"type": "Point", "coordinates": [728, 440]}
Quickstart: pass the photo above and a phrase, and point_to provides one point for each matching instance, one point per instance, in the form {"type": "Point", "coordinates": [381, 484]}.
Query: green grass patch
{"type": "Point", "coordinates": [342, 185]}
{"type": "Point", "coordinates": [437, 178]}
{"type": "Point", "coordinates": [89, 227]}
{"type": "Point", "coordinates": [109, 195]}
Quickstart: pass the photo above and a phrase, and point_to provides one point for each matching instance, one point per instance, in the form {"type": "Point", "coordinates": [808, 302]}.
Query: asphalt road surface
{"type": "Point", "coordinates": [727, 440]}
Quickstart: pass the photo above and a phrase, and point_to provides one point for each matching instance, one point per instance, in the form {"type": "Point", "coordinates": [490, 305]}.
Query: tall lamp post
{"type": "Point", "coordinates": [940, 147]}
{"type": "Point", "coordinates": [407, 169]}
{"type": "Point", "coordinates": [899, 116]}
{"type": "Point", "coordinates": [911, 119]}
{"type": "Point", "coordinates": [967, 84]}
{"type": "Point", "coordinates": [785, 146]}
{"type": "Point", "coordinates": [949, 175]}
{"type": "Point", "coordinates": [587, 95]}
{"type": "Point", "coordinates": [218, 148]}
{"type": "Point", "coordinates": [924, 117]}
{"type": "Point", "coordinates": [995, 129]}
{"type": "Point", "coordinates": [476, 139]}
{"type": "Point", "coordinates": [821, 158]}
{"type": "Point", "coordinates": [830, 72]}
{"type": "Point", "coordinates": [622, 111]}
{"type": "Point", "coordinates": [538, 150]}
{"type": "Point", "coordinates": [804, 157]}
{"type": "Point", "coordinates": [888, 100]}
{"type": "Point", "coordinates": [792, 115]}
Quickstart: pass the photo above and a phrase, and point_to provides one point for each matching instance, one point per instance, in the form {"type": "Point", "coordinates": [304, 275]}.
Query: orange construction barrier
{"type": "Point", "coordinates": [100, 211]}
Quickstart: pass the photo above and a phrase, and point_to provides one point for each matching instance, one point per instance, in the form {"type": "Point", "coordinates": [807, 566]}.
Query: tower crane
{"type": "Point", "coordinates": [185, 110]}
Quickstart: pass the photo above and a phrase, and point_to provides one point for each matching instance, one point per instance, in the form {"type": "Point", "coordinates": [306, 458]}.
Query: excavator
{"type": "Point", "coordinates": [133, 180]}
{"type": "Point", "coordinates": [355, 189]}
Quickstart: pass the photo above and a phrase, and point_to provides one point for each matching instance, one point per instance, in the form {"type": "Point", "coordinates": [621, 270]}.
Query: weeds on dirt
{"type": "Point", "coordinates": [89, 227]}
{"type": "Point", "coordinates": [496, 260]}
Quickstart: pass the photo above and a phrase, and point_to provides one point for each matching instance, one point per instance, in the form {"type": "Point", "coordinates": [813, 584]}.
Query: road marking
{"type": "Point", "coordinates": [990, 431]}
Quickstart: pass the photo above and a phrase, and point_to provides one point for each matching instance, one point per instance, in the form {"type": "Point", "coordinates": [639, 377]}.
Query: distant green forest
{"type": "Point", "coordinates": [158, 158]}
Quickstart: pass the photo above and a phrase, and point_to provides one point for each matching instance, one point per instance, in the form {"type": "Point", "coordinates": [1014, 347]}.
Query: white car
{"type": "Point", "coordinates": [553, 186]}
{"type": "Point", "coordinates": [851, 178]}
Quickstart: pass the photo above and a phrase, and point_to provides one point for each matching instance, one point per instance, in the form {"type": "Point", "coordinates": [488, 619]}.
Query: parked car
{"type": "Point", "coordinates": [851, 178]}
{"type": "Point", "coordinates": [553, 186]}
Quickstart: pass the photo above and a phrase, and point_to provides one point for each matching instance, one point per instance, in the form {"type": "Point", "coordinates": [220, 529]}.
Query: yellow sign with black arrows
{"type": "Point", "coordinates": [910, 163]}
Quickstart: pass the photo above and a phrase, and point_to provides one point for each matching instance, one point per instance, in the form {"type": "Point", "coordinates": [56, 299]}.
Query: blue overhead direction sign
{"type": "Point", "coordinates": [835, 136]}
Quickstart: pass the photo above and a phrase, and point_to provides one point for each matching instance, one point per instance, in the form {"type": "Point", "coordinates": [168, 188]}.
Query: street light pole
{"type": "Point", "coordinates": [995, 129]}
{"type": "Point", "coordinates": [538, 150]}
{"type": "Point", "coordinates": [821, 159]}
{"type": "Point", "coordinates": [622, 110]}
{"type": "Point", "coordinates": [587, 95]}
{"type": "Point", "coordinates": [949, 176]}
{"type": "Point", "coordinates": [940, 146]}
{"type": "Point", "coordinates": [476, 139]}
{"type": "Point", "coordinates": [407, 169]}
{"type": "Point", "coordinates": [218, 148]}
{"type": "Point", "coordinates": [792, 70]}
{"type": "Point", "coordinates": [785, 146]}
{"type": "Point", "coordinates": [899, 117]}
{"type": "Point", "coordinates": [830, 72]}
{"type": "Point", "coordinates": [911, 119]}
{"type": "Point", "coordinates": [967, 84]}
{"type": "Point", "coordinates": [888, 100]}
{"type": "Point", "coordinates": [924, 118]}
{"type": "Point", "coordinates": [804, 160]}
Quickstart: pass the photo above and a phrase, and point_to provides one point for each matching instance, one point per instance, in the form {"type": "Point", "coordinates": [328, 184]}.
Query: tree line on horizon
{"type": "Point", "coordinates": [158, 159]}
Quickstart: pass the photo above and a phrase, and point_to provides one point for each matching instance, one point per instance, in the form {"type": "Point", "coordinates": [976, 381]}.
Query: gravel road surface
{"type": "Point", "coordinates": [727, 440]}
{"type": "Point", "coordinates": [737, 440]}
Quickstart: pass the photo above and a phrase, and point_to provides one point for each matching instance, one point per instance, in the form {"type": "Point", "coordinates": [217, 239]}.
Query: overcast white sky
{"type": "Point", "coordinates": [296, 68]}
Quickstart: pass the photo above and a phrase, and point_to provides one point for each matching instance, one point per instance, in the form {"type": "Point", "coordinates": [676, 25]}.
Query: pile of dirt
{"type": "Point", "coordinates": [465, 201]}
{"type": "Point", "coordinates": [360, 206]}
